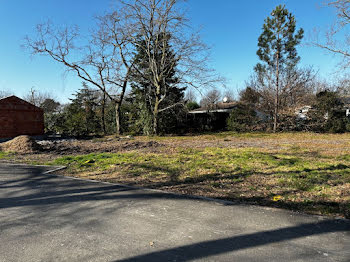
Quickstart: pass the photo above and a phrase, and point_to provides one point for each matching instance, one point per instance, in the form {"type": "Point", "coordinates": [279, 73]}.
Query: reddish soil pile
{"type": "Point", "coordinates": [21, 144]}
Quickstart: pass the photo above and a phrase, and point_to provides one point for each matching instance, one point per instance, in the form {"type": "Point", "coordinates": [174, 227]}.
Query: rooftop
{"type": "Point", "coordinates": [220, 107]}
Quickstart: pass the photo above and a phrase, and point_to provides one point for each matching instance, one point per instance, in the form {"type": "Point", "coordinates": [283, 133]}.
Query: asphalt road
{"type": "Point", "coordinates": [50, 218]}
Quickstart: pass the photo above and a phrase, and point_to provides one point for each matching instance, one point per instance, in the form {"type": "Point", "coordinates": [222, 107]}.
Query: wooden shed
{"type": "Point", "coordinates": [18, 117]}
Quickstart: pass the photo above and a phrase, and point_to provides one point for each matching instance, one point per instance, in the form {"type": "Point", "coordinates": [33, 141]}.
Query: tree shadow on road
{"type": "Point", "coordinates": [221, 246]}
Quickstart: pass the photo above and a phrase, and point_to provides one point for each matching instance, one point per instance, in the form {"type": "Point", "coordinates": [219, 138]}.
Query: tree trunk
{"type": "Point", "coordinates": [103, 113]}
{"type": "Point", "coordinates": [275, 117]}
{"type": "Point", "coordinates": [117, 118]}
{"type": "Point", "coordinates": [155, 124]}
{"type": "Point", "coordinates": [155, 117]}
{"type": "Point", "coordinates": [118, 103]}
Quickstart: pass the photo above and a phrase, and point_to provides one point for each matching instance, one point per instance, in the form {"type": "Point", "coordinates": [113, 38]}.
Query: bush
{"type": "Point", "coordinates": [192, 105]}
{"type": "Point", "coordinates": [336, 125]}
{"type": "Point", "coordinates": [242, 118]}
{"type": "Point", "coordinates": [289, 123]}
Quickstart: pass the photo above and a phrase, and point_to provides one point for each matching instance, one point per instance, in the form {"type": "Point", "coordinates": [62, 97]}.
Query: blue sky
{"type": "Point", "coordinates": [230, 27]}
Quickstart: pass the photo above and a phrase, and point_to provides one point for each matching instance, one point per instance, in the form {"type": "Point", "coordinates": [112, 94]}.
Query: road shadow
{"type": "Point", "coordinates": [221, 246]}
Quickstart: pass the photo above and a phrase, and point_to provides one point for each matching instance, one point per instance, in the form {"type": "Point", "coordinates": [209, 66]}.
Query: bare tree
{"type": "Point", "coordinates": [106, 61]}
{"type": "Point", "coordinates": [153, 26]}
{"type": "Point", "coordinates": [298, 87]}
{"type": "Point", "coordinates": [36, 97]}
{"type": "Point", "coordinates": [114, 33]}
{"type": "Point", "coordinates": [94, 62]}
{"type": "Point", "coordinates": [4, 93]}
{"type": "Point", "coordinates": [229, 94]}
{"type": "Point", "coordinates": [342, 86]}
{"type": "Point", "coordinates": [190, 96]}
{"type": "Point", "coordinates": [261, 93]}
{"type": "Point", "coordinates": [211, 99]}
{"type": "Point", "coordinates": [336, 39]}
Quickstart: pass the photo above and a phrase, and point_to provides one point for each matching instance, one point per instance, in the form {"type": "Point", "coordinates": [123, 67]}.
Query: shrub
{"type": "Point", "coordinates": [192, 105]}
{"type": "Point", "coordinates": [336, 125]}
{"type": "Point", "coordinates": [242, 118]}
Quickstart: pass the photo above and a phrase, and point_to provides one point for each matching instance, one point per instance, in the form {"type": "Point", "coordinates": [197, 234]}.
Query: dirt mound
{"type": "Point", "coordinates": [21, 144]}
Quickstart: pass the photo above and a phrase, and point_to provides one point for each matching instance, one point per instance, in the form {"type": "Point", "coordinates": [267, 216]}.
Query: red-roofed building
{"type": "Point", "coordinates": [18, 117]}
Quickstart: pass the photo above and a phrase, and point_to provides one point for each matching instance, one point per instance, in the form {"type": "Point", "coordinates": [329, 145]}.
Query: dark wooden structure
{"type": "Point", "coordinates": [18, 117]}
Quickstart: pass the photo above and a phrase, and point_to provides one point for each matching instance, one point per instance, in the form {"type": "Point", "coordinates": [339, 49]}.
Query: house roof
{"type": "Point", "coordinates": [218, 108]}
{"type": "Point", "coordinates": [14, 102]}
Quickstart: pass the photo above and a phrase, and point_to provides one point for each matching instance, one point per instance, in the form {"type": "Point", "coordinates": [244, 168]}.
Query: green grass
{"type": "Point", "coordinates": [303, 181]}
{"type": "Point", "coordinates": [192, 163]}
{"type": "Point", "coordinates": [301, 173]}
{"type": "Point", "coordinates": [195, 162]}
{"type": "Point", "coordinates": [6, 155]}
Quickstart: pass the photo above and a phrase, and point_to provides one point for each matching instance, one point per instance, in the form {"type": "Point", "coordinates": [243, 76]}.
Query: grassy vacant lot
{"type": "Point", "coordinates": [300, 171]}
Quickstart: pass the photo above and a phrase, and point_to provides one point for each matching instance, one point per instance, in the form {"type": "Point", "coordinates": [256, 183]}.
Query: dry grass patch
{"type": "Point", "coordinates": [301, 171]}
{"type": "Point", "coordinates": [301, 181]}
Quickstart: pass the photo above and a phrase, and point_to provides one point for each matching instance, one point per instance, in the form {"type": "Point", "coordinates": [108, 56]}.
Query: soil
{"type": "Point", "coordinates": [21, 144]}
{"type": "Point", "coordinates": [73, 147]}
{"type": "Point", "coordinates": [24, 144]}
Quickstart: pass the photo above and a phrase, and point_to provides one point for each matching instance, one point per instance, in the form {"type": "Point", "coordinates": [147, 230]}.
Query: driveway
{"type": "Point", "coordinates": [44, 217]}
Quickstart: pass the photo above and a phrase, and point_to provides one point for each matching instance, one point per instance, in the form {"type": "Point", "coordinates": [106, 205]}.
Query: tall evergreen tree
{"type": "Point", "coordinates": [156, 104]}
{"type": "Point", "coordinates": [277, 51]}
{"type": "Point", "coordinates": [83, 110]}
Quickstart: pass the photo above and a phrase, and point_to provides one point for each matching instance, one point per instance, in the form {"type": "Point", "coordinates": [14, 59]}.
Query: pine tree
{"type": "Point", "coordinates": [277, 50]}
{"type": "Point", "coordinates": [157, 106]}
{"type": "Point", "coordinates": [81, 113]}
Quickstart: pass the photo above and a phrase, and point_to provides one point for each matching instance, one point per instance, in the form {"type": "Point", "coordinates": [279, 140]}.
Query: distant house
{"type": "Point", "coordinates": [211, 118]}
{"type": "Point", "coordinates": [302, 112]}
{"type": "Point", "coordinates": [221, 107]}
{"type": "Point", "coordinates": [214, 117]}
{"type": "Point", "coordinates": [18, 117]}
{"type": "Point", "coordinates": [346, 101]}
